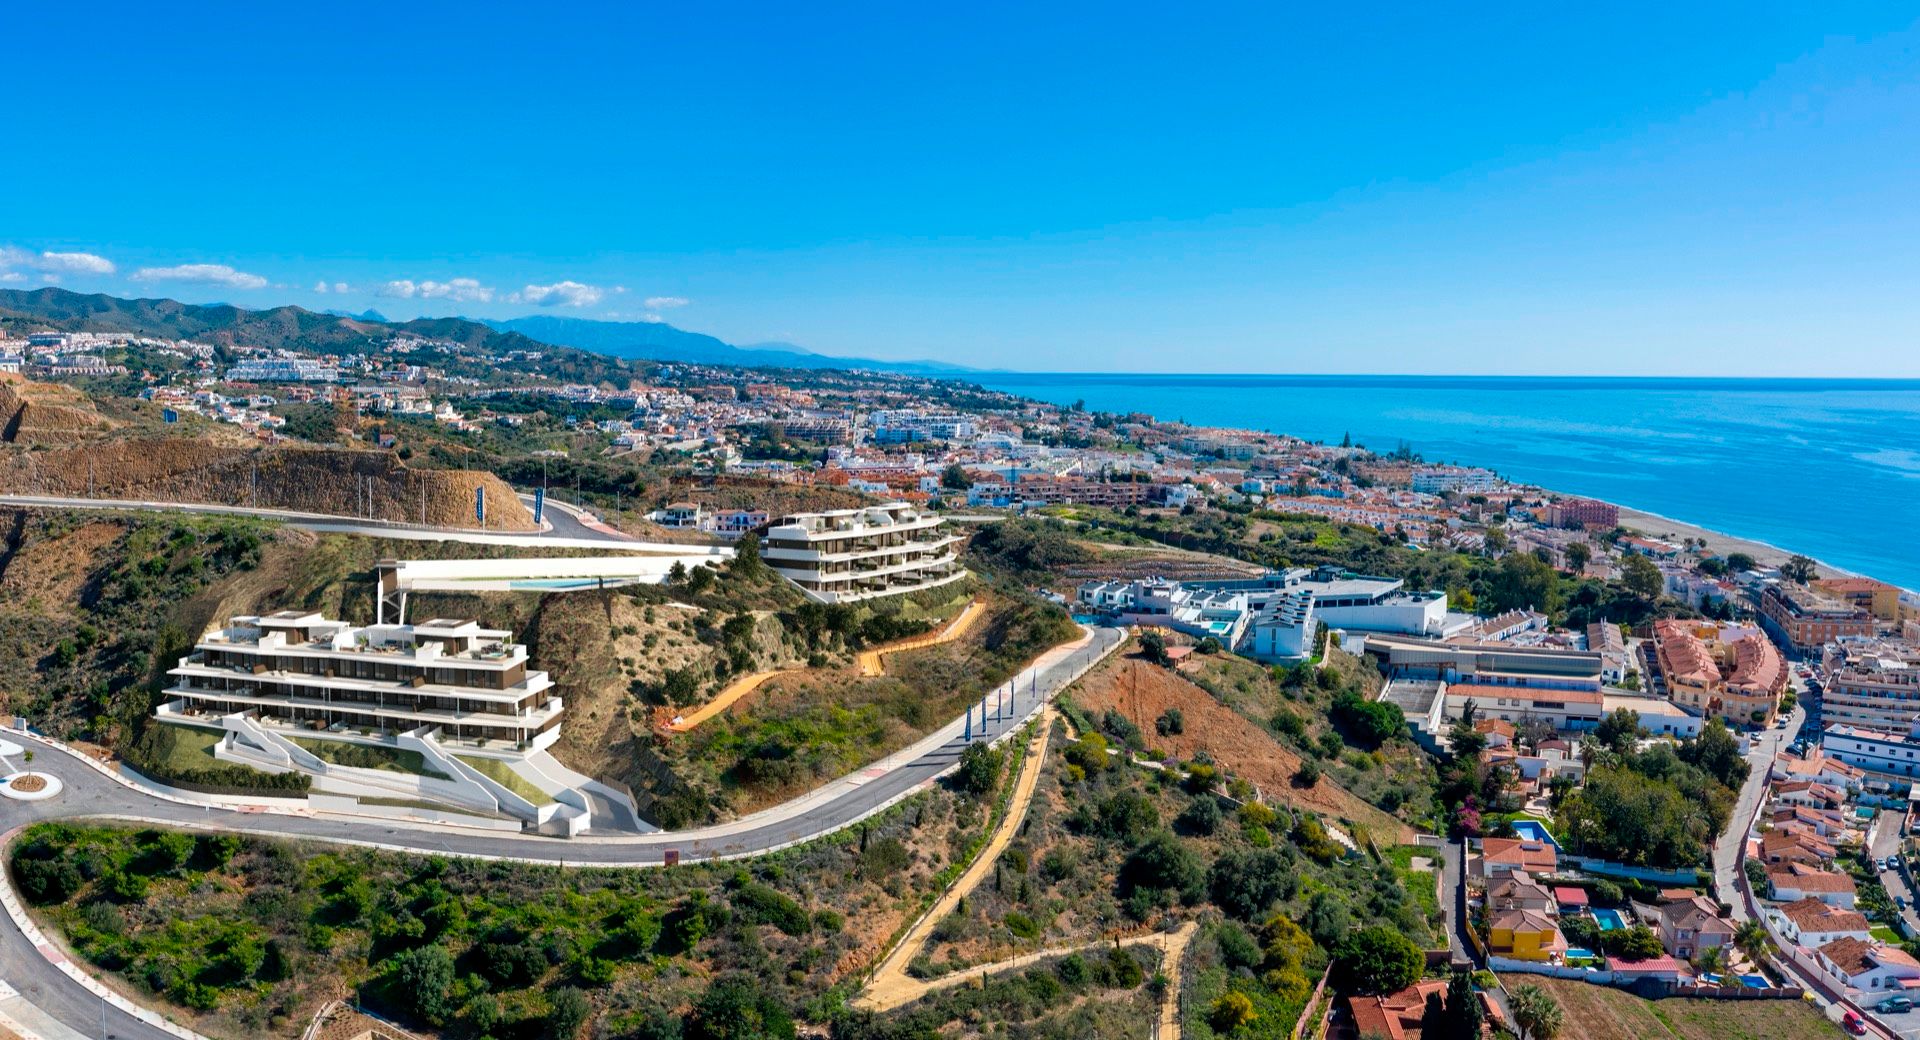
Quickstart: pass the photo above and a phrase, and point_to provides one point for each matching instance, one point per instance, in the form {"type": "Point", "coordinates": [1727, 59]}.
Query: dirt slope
{"type": "Point", "coordinates": [1142, 691]}
{"type": "Point", "coordinates": [39, 414]}
{"type": "Point", "coordinates": [184, 469]}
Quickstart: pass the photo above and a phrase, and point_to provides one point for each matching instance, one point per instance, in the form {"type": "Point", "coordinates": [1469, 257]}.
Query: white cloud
{"type": "Point", "coordinates": [342, 287]}
{"type": "Point", "coordinates": [50, 264]}
{"type": "Point", "coordinates": [560, 294]}
{"type": "Point", "coordinates": [12, 276]}
{"type": "Point", "coordinates": [661, 303]}
{"type": "Point", "coordinates": [319, 287]}
{"type": "Point", "coordinates": [459, 290]}
{"type": "Point", "coordinates": [652, 318]}
{"type": "Point", "coordinates": [204, 274]}
{"type": "Point", "coordinates": [75, 263]}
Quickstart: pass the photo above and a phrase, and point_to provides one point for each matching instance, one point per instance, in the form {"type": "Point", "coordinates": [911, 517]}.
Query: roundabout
{"type": "Point", "coordinates": [29, 787]}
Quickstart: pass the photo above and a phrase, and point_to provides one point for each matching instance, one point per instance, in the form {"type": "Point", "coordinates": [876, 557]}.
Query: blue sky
{"type": "Point", "coordinates": [1725, 190]}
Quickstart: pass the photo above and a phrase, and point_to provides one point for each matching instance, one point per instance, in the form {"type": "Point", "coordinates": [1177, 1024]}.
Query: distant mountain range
{"type": "Point", "coordinates": [658, 341]}
{"type": "Point", "coordinates": [224, 324]}
{"type": "Point", "coordinates": [338, 332]}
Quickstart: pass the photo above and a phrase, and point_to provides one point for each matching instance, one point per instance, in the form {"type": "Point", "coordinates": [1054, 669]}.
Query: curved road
{"type": "Point", "coordinates": [566, 525]}
{"type": "Point", "coordinates": [91, 792]}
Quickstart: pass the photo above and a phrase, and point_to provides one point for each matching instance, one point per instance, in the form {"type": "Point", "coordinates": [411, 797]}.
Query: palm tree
{"type": "Point", "coordinates": [1752, 939]}
{"type": "Point", "coordinates": [1713, 960]}
{"type": "Point", "coordinates": [1535, 1012]}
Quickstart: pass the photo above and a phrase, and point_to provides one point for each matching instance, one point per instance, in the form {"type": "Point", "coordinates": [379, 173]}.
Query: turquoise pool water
{"type": "Point", "coordinates": [1610, 920]}
{"type": "Point", "coordinates": [1532, 831]}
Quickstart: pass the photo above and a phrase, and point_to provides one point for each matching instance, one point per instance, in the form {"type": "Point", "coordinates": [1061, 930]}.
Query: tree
{"type": "Point", "coordinates": [1170, 722]}
{"type": "Point", "coordinates": [954, 478]}
{"type": "Point", "coordinates": [1524, 582]}
{"type": "Point", "coordinates": [1640, 944]}
{"type": "Point", "coordinates": [1535, 1012]}
{"type": "Point", "coordinates": [1379, 959]}
{"type": "Point", "coordinates": [1463, 1008]}
{"type": "Point", "coordinates": [1752, 939]}
{"type": "Point", "coordinates": [1642, 578]}
{"type": "Point", "coordinates": [420, 980]}
{"type": "Point", "coordinates": [1800, 568]}
{"type": "Point", "coordinates": [1245, 884]}
{"type": "Point", "coordinates": [1164, 863]}
{"type": "Point", "coordinates": [738, 1007]}
{"type": "Point", "coordinates": [1739, 561]}
{"type": "Point", "coordinates": [979, 769]}
{"type": "Point", "coordinates": [1232, 1011]}
{"type": "Point", "coordinates": [1579, 554]}
{"type": "Point", "coordinates": [1717, 752]}
{"type": "Point", "coordinates": [1619, 730]}
{"type": "Point", "coordinates": [1153, 647]}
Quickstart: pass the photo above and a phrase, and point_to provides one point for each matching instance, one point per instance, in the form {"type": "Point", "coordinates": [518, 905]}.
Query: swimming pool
{"type": "Point", "coordinates": [1610, 920]}
{"type": "Point", "coordinates": [1756, 981]}
{"type": "Point", "coordinates": [1575, 953]}
{"type": "Point", "coordinates": [1531, 830]}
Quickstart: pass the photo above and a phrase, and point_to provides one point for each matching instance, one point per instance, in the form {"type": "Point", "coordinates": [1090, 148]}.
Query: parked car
{"type": "Point", "coordinates": [1894, 1005]}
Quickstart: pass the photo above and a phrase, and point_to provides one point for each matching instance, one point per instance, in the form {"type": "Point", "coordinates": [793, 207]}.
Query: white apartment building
{"type": "Point", "coordinates": [1887, 754]}
{"type": "Point", "coordinates": [461, 682]}
{"type": "Point", "coordinates": [1872, 683]}
{"type": "Point", "coordinates": [282, 370]}
{"type": "Point", "coordinates": [1458, 479]}
{"type": "Point", "coordinates": [855, 554]}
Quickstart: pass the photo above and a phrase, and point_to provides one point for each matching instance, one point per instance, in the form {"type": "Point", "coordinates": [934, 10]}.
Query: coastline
{"type": "Point", "coordinates": [1719, 543]}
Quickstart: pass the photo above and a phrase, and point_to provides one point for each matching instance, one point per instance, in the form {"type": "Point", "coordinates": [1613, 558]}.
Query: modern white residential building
{"type": "Point", "coordinates": [1888, 754]}
{"type": "Point", "coordinates": [1872, 682]}
{"type": "Point", "coordinates": [1283, 630]}
{"type": "Point", "coordinates": [1200, 612]}
{"type": "Point", "coordinates": [855, 554]}
{"type": "Point", "coordinates": [282, 370]}
{"type": "Point", "coordinates": [452, 678]}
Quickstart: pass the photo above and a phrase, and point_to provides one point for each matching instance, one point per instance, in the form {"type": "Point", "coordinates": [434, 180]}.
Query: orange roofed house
{"type": "Point", "coordinates": [1500, 857]}
{"type": "Point", "coordinates": [1394, 1015]}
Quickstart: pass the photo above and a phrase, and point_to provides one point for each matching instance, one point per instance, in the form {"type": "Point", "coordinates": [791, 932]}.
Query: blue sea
{"type": "Point", "coordinates": [1826, 467]}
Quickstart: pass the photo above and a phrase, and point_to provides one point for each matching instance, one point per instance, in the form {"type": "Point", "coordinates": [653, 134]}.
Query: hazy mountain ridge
{"type": "Point", "coordinates": [659, 341]}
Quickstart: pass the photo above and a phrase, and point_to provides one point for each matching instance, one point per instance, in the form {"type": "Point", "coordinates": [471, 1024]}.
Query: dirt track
{"type": "Point", "coordinates": [872, 662]}
{"type": "Point", "coordinates": [1142, 691]}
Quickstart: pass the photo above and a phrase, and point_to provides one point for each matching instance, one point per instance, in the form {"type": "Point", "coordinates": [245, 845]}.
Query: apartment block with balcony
{"type": "Point", "coordinates": [1872, 683]}
{"type": "Point", "coordinates": [855, 554]}
{"type": "Point", "coordinates": [1803, 620]}
{"type": "Point", "coordinates": [461, 683]}
{"type": "Point", "coordinates": [1740, 680]}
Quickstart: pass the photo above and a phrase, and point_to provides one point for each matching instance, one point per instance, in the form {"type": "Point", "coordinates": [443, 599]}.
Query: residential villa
{"type": "Point", "coordinates": [856, 554]}
{"type": "Point", "coordinates": [1869, 967]}
{"type": "Point", "coordinates": [1526, 935]}
{"type": "Point", "coordinates": [1394, 1016]}
{"type": "Point", "coordinates": [1518, 891]}
{"type": "Point", "coordinates": [1500, 857]}
{"type": "Point", "coordinates": [1797, 881]}
{"type": "Point", "coordinates": [1812, 923]}
{"type": "Point", "coordinates": [1691, 926]}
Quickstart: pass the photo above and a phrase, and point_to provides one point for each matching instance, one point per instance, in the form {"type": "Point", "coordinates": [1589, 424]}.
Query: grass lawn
{"type": "Point", "coordinates": [192, 748]}
{"type": "Point", "coordinates": [1885, 934]}
{"type": "Point", "coordinates": [1605, 1013]}
{"type": "Point", "coordinates": [1418, 883]}
{"type": "Point", "coordinates": [368, 756]}
{"type": "Point", "coordinates": [499, 772]}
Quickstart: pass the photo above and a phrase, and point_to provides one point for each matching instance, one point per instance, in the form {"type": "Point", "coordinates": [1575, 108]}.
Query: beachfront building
{"type": "Point", "coordinates": [1875, 597]}
{"type": "Point", "coordinates": [1871, 683]}
{"type": "Point", "coordinates": [1803, 620]}
{"type": "Point", "coordinates": [855, 554]}
{"type": "Point", "coordinates": [1583, 512]}
{"type": "Point", "coordinates": [297, 669]}
{"type": "Point", "coordinates": [1461, 480]}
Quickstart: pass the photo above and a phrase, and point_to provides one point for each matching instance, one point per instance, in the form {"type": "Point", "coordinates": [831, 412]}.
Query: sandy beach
{"type": "Point", "coordinates": [1719, 544]}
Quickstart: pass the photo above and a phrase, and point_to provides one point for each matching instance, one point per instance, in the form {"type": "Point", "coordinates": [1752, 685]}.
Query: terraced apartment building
{"type": "Point", "coordinates": [855, 554]}
{"type": "Point", "coordinates": [300, 670]}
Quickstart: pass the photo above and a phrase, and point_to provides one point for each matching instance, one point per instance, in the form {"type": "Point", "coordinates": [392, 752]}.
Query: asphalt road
{"type": "Point", "coordinates": [89, 793]}
{"type": "Point", "coordinates": [1726, 851]}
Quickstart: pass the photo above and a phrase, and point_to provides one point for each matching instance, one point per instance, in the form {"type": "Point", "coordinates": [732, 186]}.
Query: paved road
{"type": "Point", "coordinates": [91, 793]}
{"type": "Point", "coordinates": [1726, 851]}
{"type": "Point", "coordinates": [566, 528]}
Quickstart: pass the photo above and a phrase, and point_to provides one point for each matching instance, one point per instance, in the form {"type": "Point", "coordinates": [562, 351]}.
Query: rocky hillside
{"type": "Point", "coordinates": [175, 469]}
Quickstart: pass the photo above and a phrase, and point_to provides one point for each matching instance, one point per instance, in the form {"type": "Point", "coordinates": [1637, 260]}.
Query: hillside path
{"type": "Point", "coordinates": [724, 699]}
{"type": "Point", "coordinates": [917, 988]}
{"type": "Point", "coordinates": [1170, 956]}
{"type": "Point", "coordinates": [890, 986]}
{"type": "Point", "coordinates": [871, 662]}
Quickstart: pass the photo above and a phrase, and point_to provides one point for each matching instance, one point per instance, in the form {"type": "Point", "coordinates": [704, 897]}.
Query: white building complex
{"type": "Point", "coordinates": [453, 703]}
{"type": "Point", "coordinates": [856, 554]}
{"type": "Point", "coordinates": [1872, 682]}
